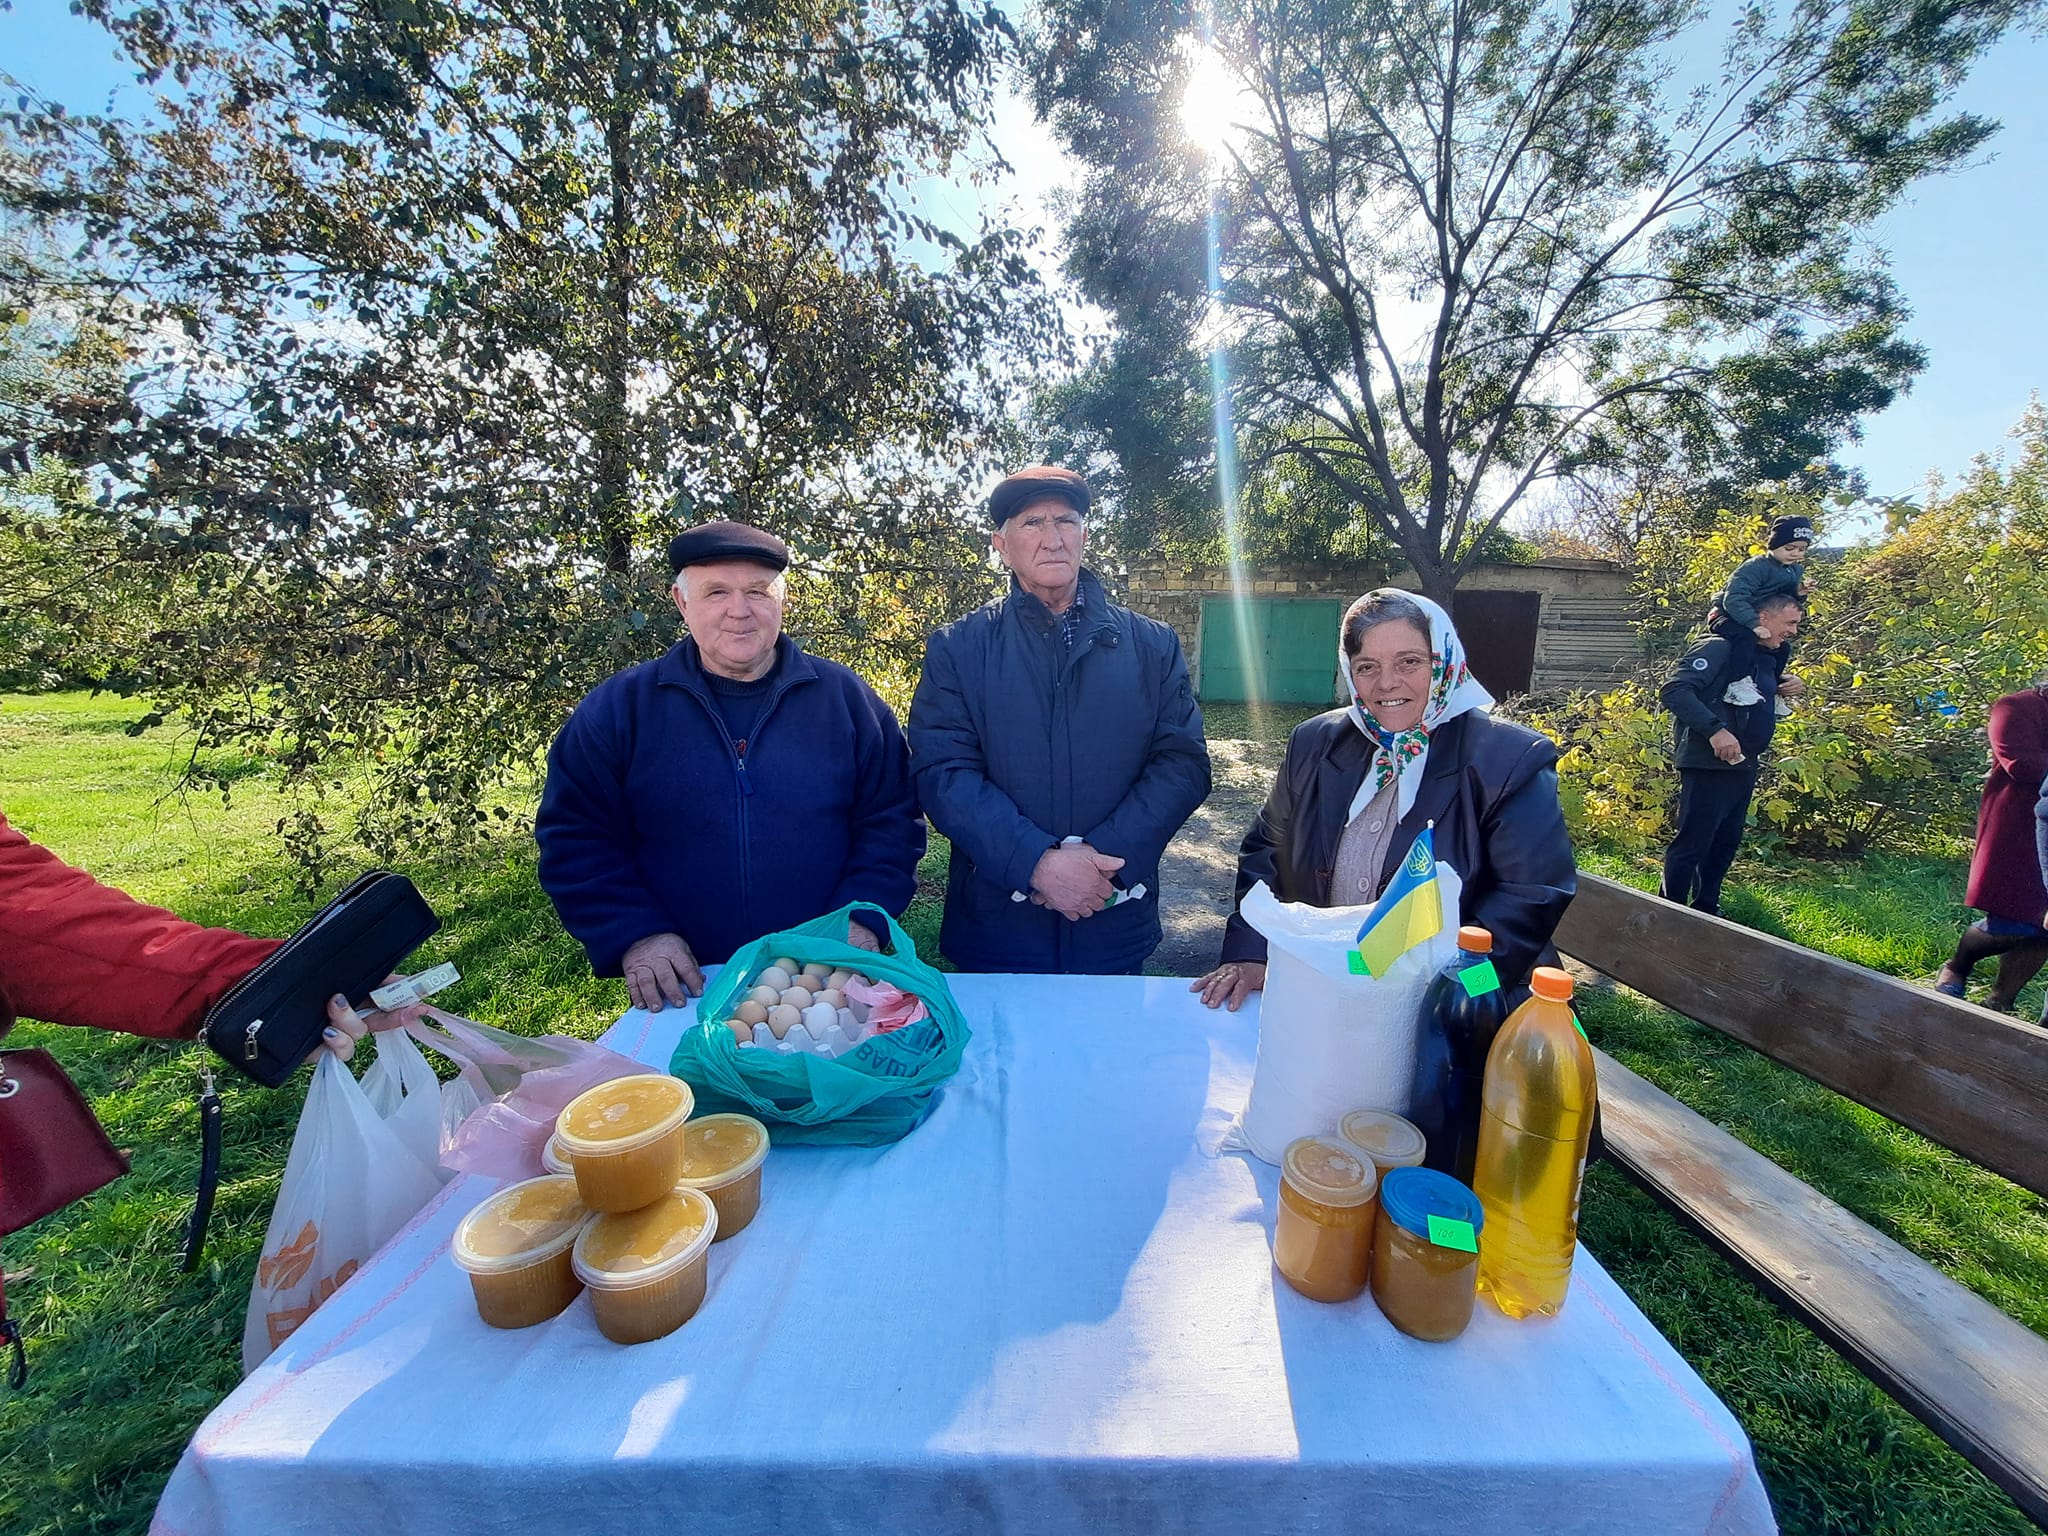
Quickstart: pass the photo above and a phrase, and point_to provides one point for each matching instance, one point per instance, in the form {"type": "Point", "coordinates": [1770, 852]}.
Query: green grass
{"type": "Point", "coordinates": [128, 1354]}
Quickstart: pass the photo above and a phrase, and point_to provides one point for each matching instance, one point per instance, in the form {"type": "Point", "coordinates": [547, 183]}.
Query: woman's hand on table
{"type": "Point", "coordinates": [1230, 983]}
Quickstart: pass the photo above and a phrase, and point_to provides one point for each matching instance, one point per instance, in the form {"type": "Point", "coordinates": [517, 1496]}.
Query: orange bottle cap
{"type": "Point", "coordinates": [1476, 939]}
{"type": "Point", "coordinates": [1551, 983]}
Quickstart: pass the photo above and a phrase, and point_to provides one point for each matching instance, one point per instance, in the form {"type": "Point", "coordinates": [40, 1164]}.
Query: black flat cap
{"type": "Point", "coordinates": [708, 542]}
{"type": "Point", "coordinates": [1037, 483]}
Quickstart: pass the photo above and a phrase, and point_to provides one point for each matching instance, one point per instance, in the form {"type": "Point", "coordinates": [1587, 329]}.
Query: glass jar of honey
{"type": "Point", "coordinates": [1322, 1237]}
{"type": "Point", "coordinates": [1389, 1140]}
{"type": "Point", "coordinates": [1425, 1253]}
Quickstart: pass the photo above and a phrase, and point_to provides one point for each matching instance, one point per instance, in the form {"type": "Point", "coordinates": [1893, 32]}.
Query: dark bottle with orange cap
{"type": "Point", "coordinates": [1462, 1011]}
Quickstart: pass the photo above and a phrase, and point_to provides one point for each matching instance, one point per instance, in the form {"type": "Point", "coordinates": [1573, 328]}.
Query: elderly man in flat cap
{"type": "Point", "coordinates": [730, 788]}
{"type": "Point", "coordinates": [1056, 740]}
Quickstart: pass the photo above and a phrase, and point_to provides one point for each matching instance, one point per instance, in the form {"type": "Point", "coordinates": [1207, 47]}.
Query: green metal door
{"type": "Point", "coordinates": [1281, 650]}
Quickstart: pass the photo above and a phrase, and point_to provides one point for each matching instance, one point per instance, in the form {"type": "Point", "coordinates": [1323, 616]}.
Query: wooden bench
{"type": "Point", "coordinates": [1969, 1079]}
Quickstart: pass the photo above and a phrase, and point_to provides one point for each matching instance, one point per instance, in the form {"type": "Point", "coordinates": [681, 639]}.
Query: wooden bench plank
{"type": "Point", "coordinates": [1972, 1374]}
{"type": "Point", "coordinates": [1970, 1079]}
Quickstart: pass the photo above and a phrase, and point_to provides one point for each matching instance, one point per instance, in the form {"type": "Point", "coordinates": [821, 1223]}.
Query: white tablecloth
{"type": "Point", "coordinates": [1050, 1308]}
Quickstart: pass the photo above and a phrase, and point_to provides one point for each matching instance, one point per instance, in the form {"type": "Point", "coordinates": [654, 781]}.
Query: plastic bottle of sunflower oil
{"type": "Point", "coordinates": [1535, 1120]}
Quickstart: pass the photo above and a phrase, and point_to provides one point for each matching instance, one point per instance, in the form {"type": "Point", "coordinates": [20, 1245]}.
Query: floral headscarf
{"type": "Point", "coordinates": [1453, 690]}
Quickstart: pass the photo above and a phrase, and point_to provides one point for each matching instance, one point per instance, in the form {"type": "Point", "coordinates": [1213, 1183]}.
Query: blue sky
{"type": "Point", "coordinates": [1967, 250]}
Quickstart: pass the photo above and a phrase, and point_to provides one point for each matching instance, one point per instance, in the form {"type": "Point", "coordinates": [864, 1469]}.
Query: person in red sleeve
{"type": "Point", "coordinates": [2005, 877]}
{"type": "Point", "coordinates": [74, 951]}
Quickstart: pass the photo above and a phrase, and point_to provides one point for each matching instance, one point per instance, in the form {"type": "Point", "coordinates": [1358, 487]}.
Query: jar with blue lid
{"type": "Point", "coordinates": [1425, 1253]}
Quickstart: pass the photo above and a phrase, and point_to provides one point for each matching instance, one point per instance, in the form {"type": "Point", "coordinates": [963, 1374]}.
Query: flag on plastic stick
{"type": "Point", "coordinates": [1408, 912]}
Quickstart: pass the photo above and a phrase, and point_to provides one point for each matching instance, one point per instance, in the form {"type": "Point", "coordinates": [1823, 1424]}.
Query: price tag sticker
{"type": "Point", "coordinates": [1447, 1233]}
{"type": "Point", "coordinates": [1357, 963]}
{"type": "Point", "coordinates": [1480, 979]}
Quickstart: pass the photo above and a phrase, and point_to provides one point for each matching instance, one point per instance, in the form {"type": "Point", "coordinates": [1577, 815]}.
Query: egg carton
{"type": "Point", "coordinates": [831, 1041]}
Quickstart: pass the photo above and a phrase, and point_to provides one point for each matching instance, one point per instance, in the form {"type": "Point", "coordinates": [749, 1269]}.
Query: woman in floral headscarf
{"type": "Point", "coordinates": [1415, 747]}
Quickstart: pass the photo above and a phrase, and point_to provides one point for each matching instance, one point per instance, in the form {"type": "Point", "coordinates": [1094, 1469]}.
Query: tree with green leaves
{"type": "Point", "coordinates": [462, 307]}
{"type": "Point", "coordinates": [1446, 251]}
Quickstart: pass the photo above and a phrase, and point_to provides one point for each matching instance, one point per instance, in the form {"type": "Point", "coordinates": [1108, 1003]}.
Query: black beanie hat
{"type": "Point", "coordinates": [1788, 530]}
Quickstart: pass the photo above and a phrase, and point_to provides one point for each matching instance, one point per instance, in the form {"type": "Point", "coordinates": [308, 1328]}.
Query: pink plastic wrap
{"type": "Point", "coordinates": [889, 1006]}
{"type": "Point", "coordinates": [522, 1084]}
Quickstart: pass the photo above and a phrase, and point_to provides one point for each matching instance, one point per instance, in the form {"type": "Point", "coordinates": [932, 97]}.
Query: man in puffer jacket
{"type": "Point", "coordinates": [1055, 738]}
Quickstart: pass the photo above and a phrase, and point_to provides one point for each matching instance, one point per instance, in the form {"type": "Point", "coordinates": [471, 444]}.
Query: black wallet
{"type": "Point", "coordinates": [265, 1024]}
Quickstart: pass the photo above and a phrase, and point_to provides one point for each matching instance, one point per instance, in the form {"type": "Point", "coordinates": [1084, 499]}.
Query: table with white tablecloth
{"type": "Point", "coordinates": [1050, 1308]}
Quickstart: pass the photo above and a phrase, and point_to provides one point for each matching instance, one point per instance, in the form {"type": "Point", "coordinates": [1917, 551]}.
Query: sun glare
{"type": "Point", "coordinates": [1209, 104]}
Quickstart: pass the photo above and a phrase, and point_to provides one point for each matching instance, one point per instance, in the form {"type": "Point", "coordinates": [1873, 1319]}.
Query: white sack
{"type": "Point", "coordinates": [1331, 1041]}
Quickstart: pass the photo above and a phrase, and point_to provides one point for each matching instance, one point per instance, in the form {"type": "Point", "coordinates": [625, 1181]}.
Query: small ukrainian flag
{"type": "Point", "coordinates": [1408, 911]}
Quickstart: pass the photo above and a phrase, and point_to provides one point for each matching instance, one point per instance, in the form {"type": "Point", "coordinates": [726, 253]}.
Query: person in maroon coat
{"type": "Point", "coordinates": [2005, 872]}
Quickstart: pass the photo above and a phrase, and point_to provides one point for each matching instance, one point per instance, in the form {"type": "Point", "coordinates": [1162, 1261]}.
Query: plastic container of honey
{"type": "Point", "coordinates": [722, 1155]}
{"type": "Point", "coordinates": [554, 1159]}
{"type": "Point", "coordinates": [1390, 1141]}
{"type": "Point", "coordinates": [625, 1139]}
{"type": "Point", "coordinates": [1322, 1236]}
{"type": "Point", "coordinates": [646, 1269]}
{"type": "Point", "coordinates": [1425, 1253]}
{"type": "Point", "coordinates": [516, 1250]}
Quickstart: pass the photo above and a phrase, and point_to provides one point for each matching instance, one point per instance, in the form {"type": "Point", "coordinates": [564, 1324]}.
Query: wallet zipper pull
{"type": "Point", "coordinates": [249, 1047]}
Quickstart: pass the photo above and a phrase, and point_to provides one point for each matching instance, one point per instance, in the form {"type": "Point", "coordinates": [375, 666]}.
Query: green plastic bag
{"type": "Point", "coordinates": [876, 1093]}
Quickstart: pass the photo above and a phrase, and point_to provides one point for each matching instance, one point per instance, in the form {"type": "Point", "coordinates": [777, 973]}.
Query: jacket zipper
{"type": "Point", "coordinates": [743, 781]}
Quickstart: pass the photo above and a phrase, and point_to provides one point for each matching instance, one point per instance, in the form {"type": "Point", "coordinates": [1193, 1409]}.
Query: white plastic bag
{"type": "Point", "coordinates": [350, 1182]}
{"type": "Point", "coordinates": [1331, 1041]}
{"type": "Point", "coordinates": [408, 1097]}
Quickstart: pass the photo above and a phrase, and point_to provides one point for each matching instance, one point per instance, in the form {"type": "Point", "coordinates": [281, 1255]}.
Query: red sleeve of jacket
{"type": "Point", "coordinates": [74, 951]}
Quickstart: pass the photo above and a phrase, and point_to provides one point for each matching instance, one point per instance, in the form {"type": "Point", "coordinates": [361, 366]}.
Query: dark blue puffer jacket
{"type": "Point", "coordinates": [652, 822]}
{"type": "Point", "coordinates": [1016, 743]}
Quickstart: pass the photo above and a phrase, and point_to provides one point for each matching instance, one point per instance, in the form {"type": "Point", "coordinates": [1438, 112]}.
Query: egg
{"type": "Point", "coordinates": [753, 1011]}
{"type": "Point", "coordinates": [765, 995]}
{"type": "Point", "coordinates": [797, 997]}
{"type": "Point", "coordinates": [820, 1017]}
{"type": "Point", "coordinates": [780, 1018]}
{"type": "Point", "coordinates": [786, 964]}
{"type": "Point", "coordinates": [838, 979]}
{"type": "Point", "coordinates": [778, 977]}
{"type": "Point", "coordinates": [816, 975]}
{"type": "Point", "coordinates": [742, 1032]}
{"type": "Point", "coordinates": [832, 996]}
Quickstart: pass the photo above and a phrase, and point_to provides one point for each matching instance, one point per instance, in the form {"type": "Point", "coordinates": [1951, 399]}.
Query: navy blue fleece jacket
{"type": "Point", "coordinates": [654, 820]}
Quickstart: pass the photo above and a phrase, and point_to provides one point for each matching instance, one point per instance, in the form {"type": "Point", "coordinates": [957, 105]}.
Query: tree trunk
{"type": "Point", "coordinates": [614, 488]}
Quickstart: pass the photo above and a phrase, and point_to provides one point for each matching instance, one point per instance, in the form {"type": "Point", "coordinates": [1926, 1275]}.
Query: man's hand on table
{"type": "Point", "coordinates": [1230, 983]}
{"type": "Point", "coordinates": [1073, 879]}
{"type": "Point", "coordinates": [660, 969]}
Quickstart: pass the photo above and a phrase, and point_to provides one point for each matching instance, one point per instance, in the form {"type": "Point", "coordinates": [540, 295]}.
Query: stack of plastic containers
{"type": "Point", "coordinates": [636, 1195]}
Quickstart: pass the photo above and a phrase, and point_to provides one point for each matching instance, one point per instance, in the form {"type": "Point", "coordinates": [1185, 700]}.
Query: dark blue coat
{"type": "Point", "coordinates": [1490, 789]}
{"type": "Point", "coordinates": [1017, 742]}
{"type": "Point", "coordinates": [1693, 694]}
{"type": "Point", "coordinates": [652, 822]}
